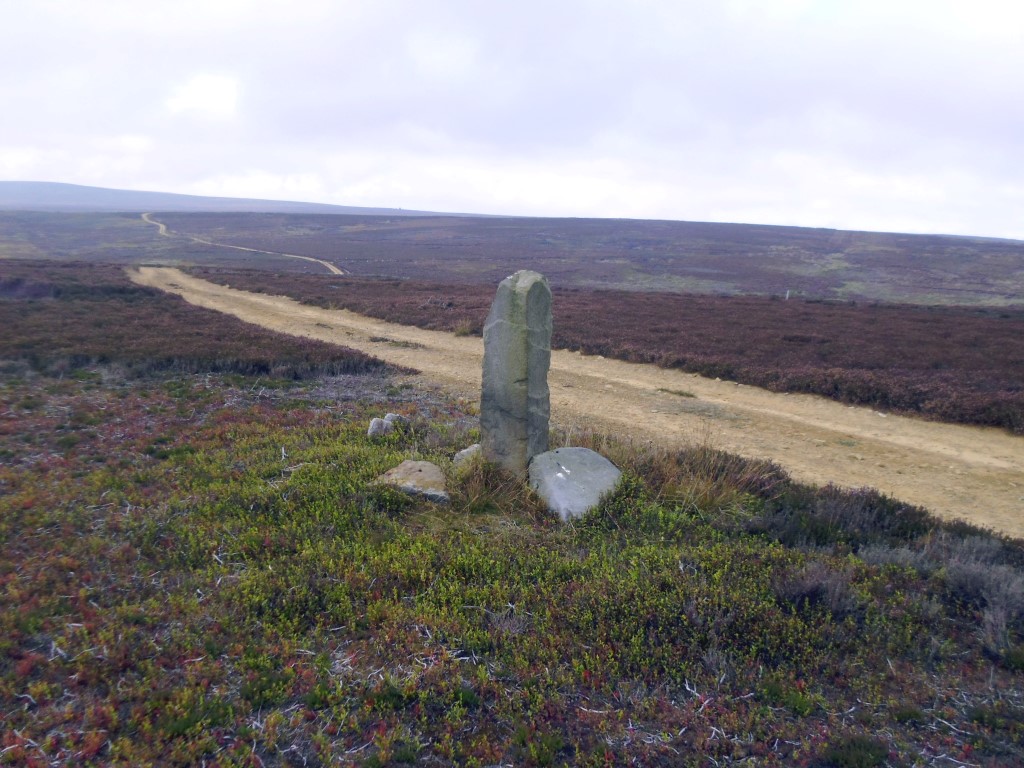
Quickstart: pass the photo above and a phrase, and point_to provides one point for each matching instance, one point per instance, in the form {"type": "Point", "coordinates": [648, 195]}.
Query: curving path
{"type": "Point", "coordinates": [162, 230]}
{"type": "Point", "coordinates": [975, 473]}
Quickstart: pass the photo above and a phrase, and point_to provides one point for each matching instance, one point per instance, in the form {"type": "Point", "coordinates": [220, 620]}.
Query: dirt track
{"type": "Point", "coordinates": [163, 231]}
{"type": "Point", "coordinates": [956, 471]}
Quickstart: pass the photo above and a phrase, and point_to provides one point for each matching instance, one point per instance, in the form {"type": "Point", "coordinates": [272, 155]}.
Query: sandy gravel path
{"type": "Point", "coordinates": [974, 473]}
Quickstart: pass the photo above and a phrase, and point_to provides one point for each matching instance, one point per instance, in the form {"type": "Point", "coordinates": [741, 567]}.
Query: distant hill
{"type": "Point", "coordinates": [40, 220]}
{"type": "Point", "coordinates": [644, 255]}
{"type": "Point", "coordinates": [54, 196]}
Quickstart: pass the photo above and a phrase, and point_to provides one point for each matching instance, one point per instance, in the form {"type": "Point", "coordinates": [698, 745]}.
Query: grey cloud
{"type": "Point", "coordinates": [683, 101]}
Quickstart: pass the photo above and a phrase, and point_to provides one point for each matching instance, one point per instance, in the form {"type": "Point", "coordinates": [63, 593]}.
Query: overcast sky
{"type": "Point", "coordinates": [899, 115]}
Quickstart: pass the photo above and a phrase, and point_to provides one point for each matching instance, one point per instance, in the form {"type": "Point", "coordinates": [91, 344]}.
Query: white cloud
{"type": "Point", "coordinates": [206, 95]}
{"type": "Point", "coordinates": [127, 144]}
{"type": "Point", "coordinates": [443, 57]}
{"type": "Point", "coordinates": [262, 184]}
{"type": "Point", "coordinates": [24, 162]}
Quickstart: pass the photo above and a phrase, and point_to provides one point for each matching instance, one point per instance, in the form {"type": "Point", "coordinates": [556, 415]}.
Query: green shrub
{"type": "Point", "coordinates": [857, 751]}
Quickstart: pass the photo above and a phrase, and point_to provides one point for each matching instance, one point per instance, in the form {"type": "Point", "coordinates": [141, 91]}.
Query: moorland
{"type": "Point", "coordinates": [926, 354]}
{"type": "Point", "coordinates": [688, 257]}
{"type": "Point", "coordinates": [196, 567]}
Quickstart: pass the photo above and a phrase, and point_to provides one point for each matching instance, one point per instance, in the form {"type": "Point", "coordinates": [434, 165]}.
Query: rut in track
{"type": "Point", "coordinates": [956, 471]}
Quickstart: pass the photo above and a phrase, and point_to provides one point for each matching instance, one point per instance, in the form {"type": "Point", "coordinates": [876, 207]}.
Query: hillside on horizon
{"type": "Point", "coordinates": [77, 198]}
{"type": "Point", "coordinates": [642, 255]}
{"type": "Point", "coordinates": [53, 196]}
{"type": "Point", "coordinates": [68, 222]}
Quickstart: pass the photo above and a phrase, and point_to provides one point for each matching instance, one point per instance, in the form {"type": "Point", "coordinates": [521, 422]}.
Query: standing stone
{"type": "Point", "coordinates": [515, 403]}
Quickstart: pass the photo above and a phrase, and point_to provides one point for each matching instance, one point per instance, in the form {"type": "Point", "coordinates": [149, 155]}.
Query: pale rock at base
{"type": "Point", "coordinates": [417, 478]}
{"type": "Point", "coordinates": [466, 456]}
{"type": "Point", "coordinates": [380, 427]}
{"type": "Point", "coordinates": [396, 419]}
{"type": "Point", "coordinates": [572, 481]}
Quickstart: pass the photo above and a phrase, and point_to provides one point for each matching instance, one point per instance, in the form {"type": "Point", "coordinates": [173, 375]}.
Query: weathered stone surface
{"type": "Point", "coordinates": [466, 456]}
{"type": "Point", "coordinates": [515, 401]}
{"type": "Point", "coordinates": [380, 427]}
{"type": "Point", "coordinates": [418, 478]}
{"type": "Point", "coordinates": [572, 481]}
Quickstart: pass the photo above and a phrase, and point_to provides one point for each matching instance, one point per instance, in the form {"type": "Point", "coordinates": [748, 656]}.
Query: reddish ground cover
{"type": "Point", "coordinates": [64, 315]}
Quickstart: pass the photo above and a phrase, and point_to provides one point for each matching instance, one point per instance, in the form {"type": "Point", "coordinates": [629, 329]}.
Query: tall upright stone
{"type": "Point", "coordinates": [515, 403]}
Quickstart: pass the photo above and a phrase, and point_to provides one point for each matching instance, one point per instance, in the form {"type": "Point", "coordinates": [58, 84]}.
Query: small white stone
{"type": "Point", "coordinates": [380, 427]}
{"type": "Point", "coordinates": [466, 456]}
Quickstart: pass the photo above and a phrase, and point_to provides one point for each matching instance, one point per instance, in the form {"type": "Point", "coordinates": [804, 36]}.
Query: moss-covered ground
{"type": "Point", "coordinates": [196, 569]}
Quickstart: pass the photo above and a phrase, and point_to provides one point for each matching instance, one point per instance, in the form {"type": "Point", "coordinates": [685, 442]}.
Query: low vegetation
{"type": "Point", "coordinates": [112, 238]}
{"type": "Point", "coordinates": [636, 255]}
{"type": "Point", "coordinates": [60, 316]}
{"type": "Point", "coordinates": [955, 365]}
{"type": "Point", "coordinates": [195, 568]}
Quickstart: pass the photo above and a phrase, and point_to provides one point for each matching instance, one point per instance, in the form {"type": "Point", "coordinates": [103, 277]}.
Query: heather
{"type": "Point", "coordinates": [199, 570]}
{"type": "Point", "coordinates": [108, 238]}
{"type": "Point", "coordinates": [951, 364]}
{"type": "Point", "coordinates": [637, 255]}
{"type": "Point", "coordinates": [61, 316]}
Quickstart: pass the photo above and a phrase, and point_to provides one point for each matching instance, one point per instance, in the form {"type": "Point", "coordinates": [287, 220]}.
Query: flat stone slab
{"type": "Point", "coordinates": [572, 481]}
{"type": "Point", "coordinates": [417, 478]}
